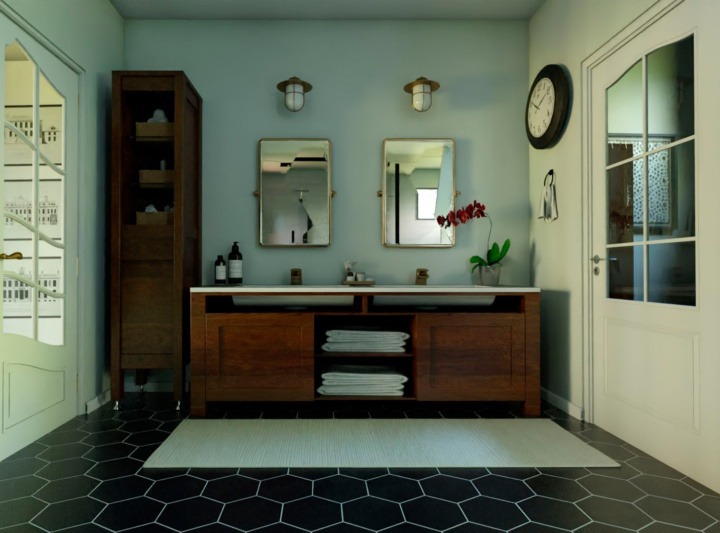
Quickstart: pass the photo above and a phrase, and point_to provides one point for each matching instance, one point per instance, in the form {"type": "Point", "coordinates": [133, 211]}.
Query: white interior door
{"type": "Point", "coordinates": [654, 345]}
{"type": "Point", "coordinates": [38, 235]}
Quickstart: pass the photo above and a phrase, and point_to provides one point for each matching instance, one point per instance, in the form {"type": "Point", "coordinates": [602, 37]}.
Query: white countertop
{"type": "Point", "coordinates": [357, 289]}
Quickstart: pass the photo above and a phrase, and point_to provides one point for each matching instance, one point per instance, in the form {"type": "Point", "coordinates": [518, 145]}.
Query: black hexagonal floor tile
{"type": "Point", "coordinates": [31, 450]}
{"type": "Point", "coordinates": [263, 473]}
{"type": "Point", "coordinates": [625, 471]}
{"type": "Point", "coordinates": [595, 434]}
{"type": "Point", "coordinates": [515, 473]}
{"type": "Point", "coordinates": [62, 437]}
{"type": "Point", "coordinates": [146, 437]}
{"type": "Point", "coordinates": [340, 488]}
{"type": "Point", "coordinates": [21, 467]}
{"type": "Point", "coordinates": [449, 488]}
{"type": "Point", "coordinates": [414, 473]}
{"type": "Point", "coordinates": [285, 488]}
{"type": "Point", "coordinates": [278, 528]}
{"type": "Point", "coordinates": [122, 488]}
{"type": "Point", "coordinates": [614, 512]}
{"type": "Point", "coordinates": [339, 528]}
{"type": "Point", "coordinates": [66, 468]}
{"type": "Point", "coordinates": [115, 468]}
{"type": "Point", "coordinates": [135, 414]}
{"type": "Point", "coordinates": [553, 512]}
{"type": "Point", "coordinates": [313, 473]}
{"type": "Point", "coordinates": [363, 473]}
{"type": "Point", "coordinates": [311, 513]}
{"type": "Point", "coordinates": [176, 489]}
{"type": "Point", "coordinates": [66, 489]}
{"type": "Point", "coordinates": [136, 426]}
{"type": "Point", "coordinates": [557, 487]}
{"type": "Point", "coordinates": [618, 453]}
{"type": "Point", "coordinates": [228, 489]}
{"type": "Point", "coordinates": [68, 513]}
{"type": "Point", "coordinates": [129, 513]}
{"type": "Point", "coordinates": [142, 453]}
{"type": "Point", "coordinates": [433, 513]}
{"type": "Point", "coordinates": [650, 465]}
{"type": "Point", "coordinates": [470, 527]}
{"type": "Point", "coordinates": [19, 511]}
{"type": "Point", "coordinates": [251, 513]}
{"type": "Point", "coordinates": [608, 487]}
{"type": "Point", "coordinates": [394, 488]}
{"type": "Point", "coordinates": [709, 505]}
{"type": "Point", "coordinates": [665, 488]}
{"type": "Point", "coordinates": [493, 513]}
{"type": "Point", "coordinates": [20, 487]}
{"type": "Point", "coordinates": [372, 513]}
{"type": "Point", "coordinates": [97, 426]}
{"type": "Point", "coordinates": [191, 513]}
{"type": "Point", "coordinates": [465, 473]}
{"type": "Point", "coordinates": [109, 452]}
{"type": "Point", "coordinates": [408, 528]}
{"type": "Point", "coordinates": [64, 451]}
{"type": "Point", "coordinates": [503, 488]}
{"type": "Point", "coordinates": [674, 512]}
{"type": "Point", "coordinates": [106, 437]}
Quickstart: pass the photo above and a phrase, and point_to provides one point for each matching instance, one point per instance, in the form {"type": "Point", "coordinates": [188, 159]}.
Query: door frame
{"type": "Point", "coordinates": [629, 32]}
{"type": "Point", "coordinates": [55, 51]}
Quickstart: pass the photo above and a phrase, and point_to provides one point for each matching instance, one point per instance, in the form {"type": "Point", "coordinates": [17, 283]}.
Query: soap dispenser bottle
{"type": "Point", "coordinates": [235, 269]}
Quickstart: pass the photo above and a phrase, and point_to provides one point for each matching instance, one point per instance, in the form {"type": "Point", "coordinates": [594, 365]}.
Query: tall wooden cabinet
{"type": "Point", "coordinates": [154, 256]}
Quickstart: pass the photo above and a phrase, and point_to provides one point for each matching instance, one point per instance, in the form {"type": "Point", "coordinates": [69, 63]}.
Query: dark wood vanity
{"type": "Point", "coordinates": [264, 343]}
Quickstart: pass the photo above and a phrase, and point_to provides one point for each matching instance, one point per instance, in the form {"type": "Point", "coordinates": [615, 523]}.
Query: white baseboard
{"type": "Point", "coordinates": [97, 402]}
{"type": "Point", "coordinates": [562, 404]}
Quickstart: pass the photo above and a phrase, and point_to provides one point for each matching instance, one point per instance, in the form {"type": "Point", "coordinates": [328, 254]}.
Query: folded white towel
{"type": "Point", "coordinates": [335, 334]}
{"type": "Point", "coordinates": [363, 347]}
{"type": "Point", "coordinates": [358, 374]}
{"type": "Point", "coordinates": [346, 391]}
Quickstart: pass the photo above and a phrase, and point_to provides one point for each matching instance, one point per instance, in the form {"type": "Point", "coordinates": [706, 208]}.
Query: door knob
{"type": "Point", "coordinates": [596, 259]}
{"type": "Point", "coordinates": [14, 255]}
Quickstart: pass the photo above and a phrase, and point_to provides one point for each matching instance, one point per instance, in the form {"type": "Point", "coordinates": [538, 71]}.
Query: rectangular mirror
{"type": "Point", "coordinates": [418, 185]}
{"type": "Point", "coordinates": [294, 192]}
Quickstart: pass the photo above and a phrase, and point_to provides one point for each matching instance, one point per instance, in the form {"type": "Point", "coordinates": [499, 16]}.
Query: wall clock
{"type": "Point", "coordinates": [547, 106]}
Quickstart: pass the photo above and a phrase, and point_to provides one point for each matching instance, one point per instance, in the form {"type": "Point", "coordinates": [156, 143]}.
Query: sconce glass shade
{"type": "Point", "coordinates": [294, 89]}
{"type": "Point", "coordinates": [421, 90]}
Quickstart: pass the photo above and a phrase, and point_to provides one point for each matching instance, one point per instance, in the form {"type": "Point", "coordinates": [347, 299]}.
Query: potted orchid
{"type": "Point", "coordinates": [489, 265]}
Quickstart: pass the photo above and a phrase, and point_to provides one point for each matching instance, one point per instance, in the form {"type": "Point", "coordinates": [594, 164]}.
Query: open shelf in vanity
{"type": "Point", "coordinates": [462, 343]}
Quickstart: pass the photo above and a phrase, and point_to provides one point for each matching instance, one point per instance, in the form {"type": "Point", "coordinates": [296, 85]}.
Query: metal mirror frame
{"type": "Point", "coordinates": [383, 193]}
{"type": "Point", "coordinates": [259, 194]}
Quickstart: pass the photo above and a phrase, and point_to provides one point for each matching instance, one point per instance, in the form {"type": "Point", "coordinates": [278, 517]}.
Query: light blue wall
{"type": "Point", "coordinates": [91, 34]}
{"type": "Point", "coordinates": [358, 69]}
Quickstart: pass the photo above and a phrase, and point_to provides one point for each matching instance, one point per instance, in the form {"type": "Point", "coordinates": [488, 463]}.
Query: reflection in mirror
{"type": "Point", "coordinates": [418, 185]}
{"type": "Point", "coordinates": [294, 185]}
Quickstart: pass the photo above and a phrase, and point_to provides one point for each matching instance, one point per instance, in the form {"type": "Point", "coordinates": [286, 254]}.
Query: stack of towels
{"type": "Point", "coordinates": [364, 340]}
{"type": "Point", "coordinates": [362, 380]}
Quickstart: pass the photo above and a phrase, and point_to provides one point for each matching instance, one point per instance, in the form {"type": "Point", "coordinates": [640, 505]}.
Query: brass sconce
{"type": "Point", "coordinates": [294, 89]}
{"type": "Point", "coordinates": [421, 90]}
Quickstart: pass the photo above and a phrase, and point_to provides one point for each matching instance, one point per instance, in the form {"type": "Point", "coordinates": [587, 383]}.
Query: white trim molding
{"type": "Point", "coordinates": [561, 403]}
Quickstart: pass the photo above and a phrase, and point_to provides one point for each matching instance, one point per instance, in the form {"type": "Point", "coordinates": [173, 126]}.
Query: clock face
{"type": "Point", "coordinates": [547, 106]}
{"type": "Point", "coordinates": [541, 105]}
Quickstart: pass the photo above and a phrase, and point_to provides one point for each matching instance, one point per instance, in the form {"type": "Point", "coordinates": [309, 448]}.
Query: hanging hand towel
{"type": "Point", "coordinates": [548, 203]}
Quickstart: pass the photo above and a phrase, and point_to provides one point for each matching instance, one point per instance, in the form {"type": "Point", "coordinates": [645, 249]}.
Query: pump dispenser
{"type": "Point", "coordinates": [235, 268]}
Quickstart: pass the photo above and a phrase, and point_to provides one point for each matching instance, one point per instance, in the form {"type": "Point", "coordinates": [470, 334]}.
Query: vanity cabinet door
{"type": "Point", "coordinates": [471, 356]}
{"type": "Point", "coordinates": [259, 356]}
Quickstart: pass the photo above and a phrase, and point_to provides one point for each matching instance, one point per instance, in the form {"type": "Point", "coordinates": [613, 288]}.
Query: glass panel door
{"type": "Point", "coordinates": [650, 179]}
{"type": "Point", "coordinates": [34, 192]}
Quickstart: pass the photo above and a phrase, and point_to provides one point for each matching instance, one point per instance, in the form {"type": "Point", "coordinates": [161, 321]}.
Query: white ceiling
{"type": "Point", "coordinates": [328, 9]}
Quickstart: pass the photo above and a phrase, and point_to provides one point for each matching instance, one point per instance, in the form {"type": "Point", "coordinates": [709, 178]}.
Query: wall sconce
{"type": "Point", "coordinates": [294, 89]}
{"type": "Point", "coordinates": [421, 90]}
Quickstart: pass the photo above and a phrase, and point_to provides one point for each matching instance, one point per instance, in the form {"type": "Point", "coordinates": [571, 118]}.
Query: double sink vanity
{"type": "Point", "coordinates": [266, 343]}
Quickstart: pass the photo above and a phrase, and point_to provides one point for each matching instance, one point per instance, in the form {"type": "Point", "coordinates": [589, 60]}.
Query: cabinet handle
{"type": "Point", "coordinates": [14, 255]}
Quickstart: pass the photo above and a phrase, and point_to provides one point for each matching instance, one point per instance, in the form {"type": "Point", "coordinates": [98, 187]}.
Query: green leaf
{"type": "Point", "coordinates": [493, 254]}
{"type": "Point", "coordinates": [479, 260]}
